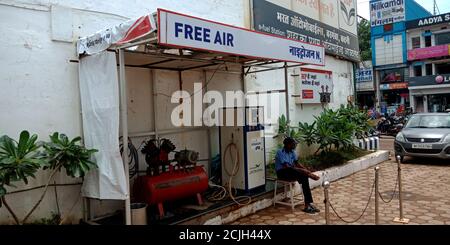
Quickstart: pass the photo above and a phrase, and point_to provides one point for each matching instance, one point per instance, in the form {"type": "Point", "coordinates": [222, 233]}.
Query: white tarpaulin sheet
{"type": "Point", "coordinates": [99, 89]}
{"type": "Point", "coordinates": [123, 33]}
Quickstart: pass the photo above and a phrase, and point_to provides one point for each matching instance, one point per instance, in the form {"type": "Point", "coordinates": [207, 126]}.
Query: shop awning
{"type": "Point", "coordinates": [169, 30]}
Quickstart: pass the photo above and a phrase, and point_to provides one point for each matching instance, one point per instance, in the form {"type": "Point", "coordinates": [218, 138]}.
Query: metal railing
{"type": "Point", "coordinates": [374, 188]}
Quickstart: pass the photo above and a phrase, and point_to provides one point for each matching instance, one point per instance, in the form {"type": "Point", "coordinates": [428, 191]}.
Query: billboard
{"type": "Point", "coordinates": [443, 79]}
{"type": "Point", "coordinates": [314, 86]}
{"type": "Point", "coordinates": [179, 30]}
{"type": "Point", "coordinates": [429, 52]}
{"type": "Point", "coordinates": [393, 86]}
{"type": "Point", "coordinates": [347, 15]}
{"type": "Point", "coordinates": [428, 21]}
{"type": "Point", "coordinates": [338, 39]}
{"type": "Point", "coordinates": [384, 12]}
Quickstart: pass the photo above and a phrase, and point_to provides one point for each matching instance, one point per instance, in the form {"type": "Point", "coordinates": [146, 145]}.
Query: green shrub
{"type": "Point", "coordinates": [20, 160]}
{"type": "Point", "coordinates": [55, 219]}
{"type": "Point", "coordinates": [331, 130]}
{"type": "Point", "coordinates": [329, 159]}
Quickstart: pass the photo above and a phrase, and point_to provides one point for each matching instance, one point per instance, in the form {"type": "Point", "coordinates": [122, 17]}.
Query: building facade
{"type": "Point", "coordinates": [429, 63]}
{"type": "Point", "coordinates": [389, 51]}
{"type": "Point", "coordinates": [365, 87]}
{"type": "Point", "coordinates": [40, 91]}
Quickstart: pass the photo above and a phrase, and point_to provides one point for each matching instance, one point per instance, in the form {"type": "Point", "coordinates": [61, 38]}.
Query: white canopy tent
{"type": "Point", "coordinates": [169, 41]}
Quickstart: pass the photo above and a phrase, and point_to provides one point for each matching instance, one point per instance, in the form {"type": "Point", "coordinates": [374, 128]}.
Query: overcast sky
{"type": "Point", "coordinates": [444, 6]}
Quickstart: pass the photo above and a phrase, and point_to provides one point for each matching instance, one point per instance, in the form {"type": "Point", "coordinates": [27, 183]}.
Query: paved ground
{"type": "Point", "coordinates": [426, 196]}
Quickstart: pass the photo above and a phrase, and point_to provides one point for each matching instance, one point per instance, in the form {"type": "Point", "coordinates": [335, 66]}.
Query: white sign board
{"type": "Point", "coordinates": [384, 12]}
{"type": "Point", "coordinates": [365, 86]}
{"type": "Point", "coordinates": [314, 86]}
{"type": "Point", "coordinates": [347, 15]}
{"type": "Point", "coordinates": [182, 31]}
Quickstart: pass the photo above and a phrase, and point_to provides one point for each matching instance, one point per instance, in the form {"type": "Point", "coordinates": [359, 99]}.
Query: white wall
{"type": "Point", "coordinates": [40, 90]}
{"type": "Point", "coordinates": [274, 80]}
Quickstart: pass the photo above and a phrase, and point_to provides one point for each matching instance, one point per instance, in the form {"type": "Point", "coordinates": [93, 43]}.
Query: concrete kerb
{"type": "Point", "coordinates": [331, 175]}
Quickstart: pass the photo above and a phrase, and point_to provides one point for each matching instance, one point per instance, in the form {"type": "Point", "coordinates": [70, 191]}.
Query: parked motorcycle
{"type": "Point", "coordinates": [391, 125]}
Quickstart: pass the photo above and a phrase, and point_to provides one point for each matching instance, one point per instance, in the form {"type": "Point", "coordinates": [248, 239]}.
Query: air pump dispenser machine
{"type": "Point", "coordinates": [242, 148]}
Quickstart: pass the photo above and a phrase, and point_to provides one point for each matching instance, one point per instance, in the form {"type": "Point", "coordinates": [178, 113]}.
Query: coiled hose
{"type": "Point", "coordinates": [236, 164]}
{"type": "Point", "coordinates": [133, 157]}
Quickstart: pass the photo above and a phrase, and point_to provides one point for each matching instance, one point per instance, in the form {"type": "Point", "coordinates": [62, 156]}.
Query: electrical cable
{"type": "Point", "coordinates": [196, 92]}
{"type": "Point", "coordinates": [42, 186]}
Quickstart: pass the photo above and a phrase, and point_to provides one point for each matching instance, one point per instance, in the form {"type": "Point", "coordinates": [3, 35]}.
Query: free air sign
{"type": "Point", "coordinates": [182, 31]}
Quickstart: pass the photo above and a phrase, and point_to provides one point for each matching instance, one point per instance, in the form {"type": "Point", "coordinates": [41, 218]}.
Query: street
{"type": "Point", "coordinates": [425, 188]}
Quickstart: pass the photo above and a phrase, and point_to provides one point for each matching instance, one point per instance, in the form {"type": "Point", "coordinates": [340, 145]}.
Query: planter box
{"type": "Point", "coordinates": [331, 174]}
{"type": "Point", "coordinates": [353, 166]}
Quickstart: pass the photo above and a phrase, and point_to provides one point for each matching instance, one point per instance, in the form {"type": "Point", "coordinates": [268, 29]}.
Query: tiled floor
{"type": "Point", "coordinates": [426, 186]}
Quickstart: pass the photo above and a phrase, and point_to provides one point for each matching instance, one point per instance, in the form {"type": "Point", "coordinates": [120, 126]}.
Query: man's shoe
{"type": "Point", "coordinates": [309, 210]}
{"type": "Point", "coordinates": [314, 208]}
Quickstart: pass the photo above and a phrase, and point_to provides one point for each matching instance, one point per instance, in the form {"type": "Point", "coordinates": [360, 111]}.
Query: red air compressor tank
{"type": "Point", "coordinates": [170, 186]}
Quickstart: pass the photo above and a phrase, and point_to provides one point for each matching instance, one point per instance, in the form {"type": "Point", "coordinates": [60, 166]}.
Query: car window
{"type": "Point", "coordinates": [429, 121]}
{"type": "Point", "coordinates": [413, 122]}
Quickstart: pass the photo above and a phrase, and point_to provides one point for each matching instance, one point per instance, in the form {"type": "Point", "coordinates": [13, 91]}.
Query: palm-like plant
{"type": "Point", "coordinates": [69, 154]}
{"type": "Point", "coordinates": [307, 133]}
{"type": "Point", "coordinates": [19, 160]}
{"type": "Point", "coordinates": [331, 130]}
{"type": "Point", "coordinates": [60, 153]}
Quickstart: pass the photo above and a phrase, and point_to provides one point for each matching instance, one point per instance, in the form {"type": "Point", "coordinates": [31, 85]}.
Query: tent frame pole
{"type": "Point", "coordinates": [124, 118]}
{"type": "Point", "coordinates": [286, 88]}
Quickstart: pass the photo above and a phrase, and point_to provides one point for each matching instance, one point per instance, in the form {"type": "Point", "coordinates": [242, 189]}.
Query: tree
{"type": "Point", "coordinates": [364, 39]}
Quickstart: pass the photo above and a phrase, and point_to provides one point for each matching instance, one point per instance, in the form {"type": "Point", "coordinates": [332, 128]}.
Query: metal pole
{"type": "Point", "coordinates": [355, 99]}
{"type": "Point", "coordinates": [400, 196]}
{"type": "Point", "coordinates": [286, 87]}
{"type": "Point", "coordinates": [377, 205]}
{"type": "Point", "coordinates": [85, 209]}
{"type": "Point", "coordinates": [208, 131]}
{"type": "Point", "coordinates": [377, 90]}
{"type": "Point", "coordinates": [155, 104]}
{"type": "Point", "coordinates": [124, 117]}
{"type": "Point", "coordinates": [401, 219]}
{"type": "Point", "coordinates": [326, 185]}
{"type": "Point", "coordinates": [434, 7]}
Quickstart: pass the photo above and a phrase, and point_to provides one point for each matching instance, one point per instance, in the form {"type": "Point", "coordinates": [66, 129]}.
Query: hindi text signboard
{"type": "Point", "coordinates": [314, 86]}
{"type": "Point", "coordinates": [276, 20]}
{"type": "Point", "coordinates": [384, 12]}
{"type": "Point", "coordinates": [182, 31]}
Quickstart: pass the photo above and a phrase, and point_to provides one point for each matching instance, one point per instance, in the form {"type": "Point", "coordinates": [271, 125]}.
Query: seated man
{"type": "Point", "coordinates": [288, 168]}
